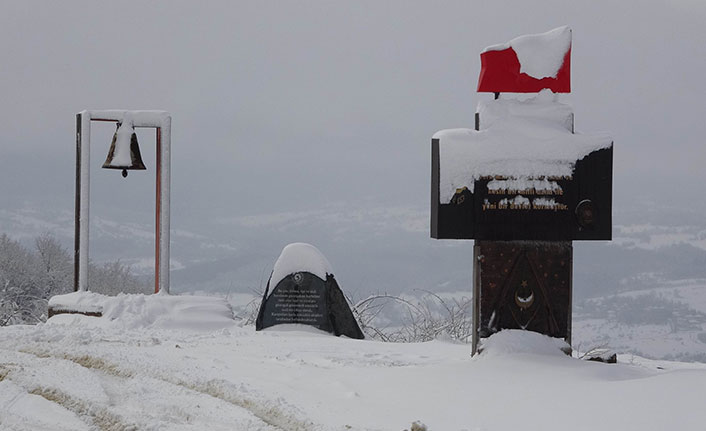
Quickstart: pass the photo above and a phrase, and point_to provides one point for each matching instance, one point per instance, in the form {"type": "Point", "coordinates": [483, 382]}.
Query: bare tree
{"type": "Point", "coordinates": [20, 297]}
{"type": "Point", "coordinates": [54, 266]}
{"type": "Point", "coordinates": [29, 278]}
{"type": "Point", "coordinates": [115, 277]}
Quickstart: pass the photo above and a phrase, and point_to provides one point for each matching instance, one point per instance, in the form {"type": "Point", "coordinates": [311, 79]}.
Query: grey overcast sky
{"type": "Point", "coordinates": [283, 105]}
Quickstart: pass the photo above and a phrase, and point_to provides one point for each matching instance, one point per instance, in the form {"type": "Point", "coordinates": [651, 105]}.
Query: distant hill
{"type": "Point", "coordinates": [657, 254]}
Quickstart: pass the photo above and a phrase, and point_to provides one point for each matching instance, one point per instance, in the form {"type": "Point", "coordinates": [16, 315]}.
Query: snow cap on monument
{"type": "Point", "coordinates": [300, 257]}
{"type": "Point", "coordinates": [528, 64]}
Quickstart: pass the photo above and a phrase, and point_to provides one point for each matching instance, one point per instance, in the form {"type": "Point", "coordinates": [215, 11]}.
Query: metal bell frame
{"type": "Point", "coordinates": [162, 122]}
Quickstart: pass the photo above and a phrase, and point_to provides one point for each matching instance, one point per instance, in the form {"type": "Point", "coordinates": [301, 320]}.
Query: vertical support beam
{"type": "Point", "coordinates": [83, 172]}
{"type": "Point", "coordinates": [569, 321]}
{"type": "Point", "coordinates": [164, 136]}
{"type": "Point", "coordinates": [77, 203]}
{"type": "Point", "coordinates": [158, 212]}
{"type": "Point", "coordinates": [475, 337]}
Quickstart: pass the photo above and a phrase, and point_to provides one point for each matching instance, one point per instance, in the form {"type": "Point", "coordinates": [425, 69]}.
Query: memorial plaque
{"type": "Point", "coordinates": [558, 208]}
{"type": "Point", "coordinates": [299, 298]}
{"type": "Point", "coordinates": [305, 292]}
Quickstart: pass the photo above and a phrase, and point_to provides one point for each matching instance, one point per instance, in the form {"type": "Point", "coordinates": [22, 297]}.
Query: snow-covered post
{"type": "Point", "coordinates": [162, 122]}
{"type": "Point", "coordinates": [83, 172]}
{"type": "Point", "coordinates": [164, 139]}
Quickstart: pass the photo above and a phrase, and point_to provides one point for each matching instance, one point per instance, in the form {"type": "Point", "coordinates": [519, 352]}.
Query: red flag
{"type": "Point", "coordinates": [503, 72]}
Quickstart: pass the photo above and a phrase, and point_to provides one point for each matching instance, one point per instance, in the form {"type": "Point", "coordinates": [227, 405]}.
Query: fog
{"type": "Point", "coordinates": [323, 108]}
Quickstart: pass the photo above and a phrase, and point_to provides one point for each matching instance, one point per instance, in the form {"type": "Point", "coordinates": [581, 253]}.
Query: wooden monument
{"type": "Point", "coordinates": [523, 185]}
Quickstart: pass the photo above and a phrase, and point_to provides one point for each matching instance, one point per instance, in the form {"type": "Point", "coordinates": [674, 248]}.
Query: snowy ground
{"type": "Point", "coordinates": [137, 371]}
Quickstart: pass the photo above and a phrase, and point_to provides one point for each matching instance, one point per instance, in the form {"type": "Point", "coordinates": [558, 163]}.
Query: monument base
{"type": "Point", "coordinates": [52, 311]}
{"type": "Point", "coordinates": [522, 285]}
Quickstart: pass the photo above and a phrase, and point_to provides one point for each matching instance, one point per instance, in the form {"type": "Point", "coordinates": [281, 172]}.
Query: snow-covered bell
{"type": "Point", "coordinates": [124, 152]}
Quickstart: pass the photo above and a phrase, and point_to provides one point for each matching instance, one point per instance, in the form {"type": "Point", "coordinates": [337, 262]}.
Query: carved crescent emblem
{"type": "Point", "coordinates": [524, 296]}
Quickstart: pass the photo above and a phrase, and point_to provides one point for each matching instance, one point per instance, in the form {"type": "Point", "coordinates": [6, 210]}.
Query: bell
{"type": "Point", "coordinates": [124, 152]}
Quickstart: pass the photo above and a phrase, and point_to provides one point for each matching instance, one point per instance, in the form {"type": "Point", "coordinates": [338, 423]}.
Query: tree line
{"type": "Point", "coordinates": [29, 276]}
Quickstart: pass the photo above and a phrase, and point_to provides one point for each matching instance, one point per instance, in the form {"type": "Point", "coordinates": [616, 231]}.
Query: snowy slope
{"type": "Point", "coordinates": [662, 322]}
{"type": "Point", "coordinates": [74, 373]}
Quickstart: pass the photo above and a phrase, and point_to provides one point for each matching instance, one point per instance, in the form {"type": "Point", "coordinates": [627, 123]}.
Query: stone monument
{"type": "Point", "coordinates": [302, 290]}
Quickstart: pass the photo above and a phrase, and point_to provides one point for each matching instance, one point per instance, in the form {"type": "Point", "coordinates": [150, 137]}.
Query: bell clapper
{"type": "Point", "coordinates": [124, 173]}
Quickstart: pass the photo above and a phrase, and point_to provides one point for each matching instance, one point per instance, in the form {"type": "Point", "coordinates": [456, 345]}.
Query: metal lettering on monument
{"type": "Point", "coordinates": [558, 208]}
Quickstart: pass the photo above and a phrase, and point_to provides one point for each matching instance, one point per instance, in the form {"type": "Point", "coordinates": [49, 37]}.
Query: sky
{"type": "Point", "coordinates": [283, 106]}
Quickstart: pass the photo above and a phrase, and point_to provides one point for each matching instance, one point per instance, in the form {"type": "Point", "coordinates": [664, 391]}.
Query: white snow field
{"type": "Point", "coordinates": [139, 367]}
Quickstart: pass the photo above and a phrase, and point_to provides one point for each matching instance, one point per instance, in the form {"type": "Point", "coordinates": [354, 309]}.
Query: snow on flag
{"type": "Point", "coordinates": [528, 64]}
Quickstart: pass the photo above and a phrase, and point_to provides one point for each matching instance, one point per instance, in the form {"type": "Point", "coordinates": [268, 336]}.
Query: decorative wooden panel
{"type": "Point", "coordinates": [523, 285]}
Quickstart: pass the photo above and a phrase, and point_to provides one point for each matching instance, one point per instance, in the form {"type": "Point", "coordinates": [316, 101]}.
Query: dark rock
{"type": "Point", "coordinates": [601, 355]}
{"type": "Point", "coordinates": [304, 298]}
